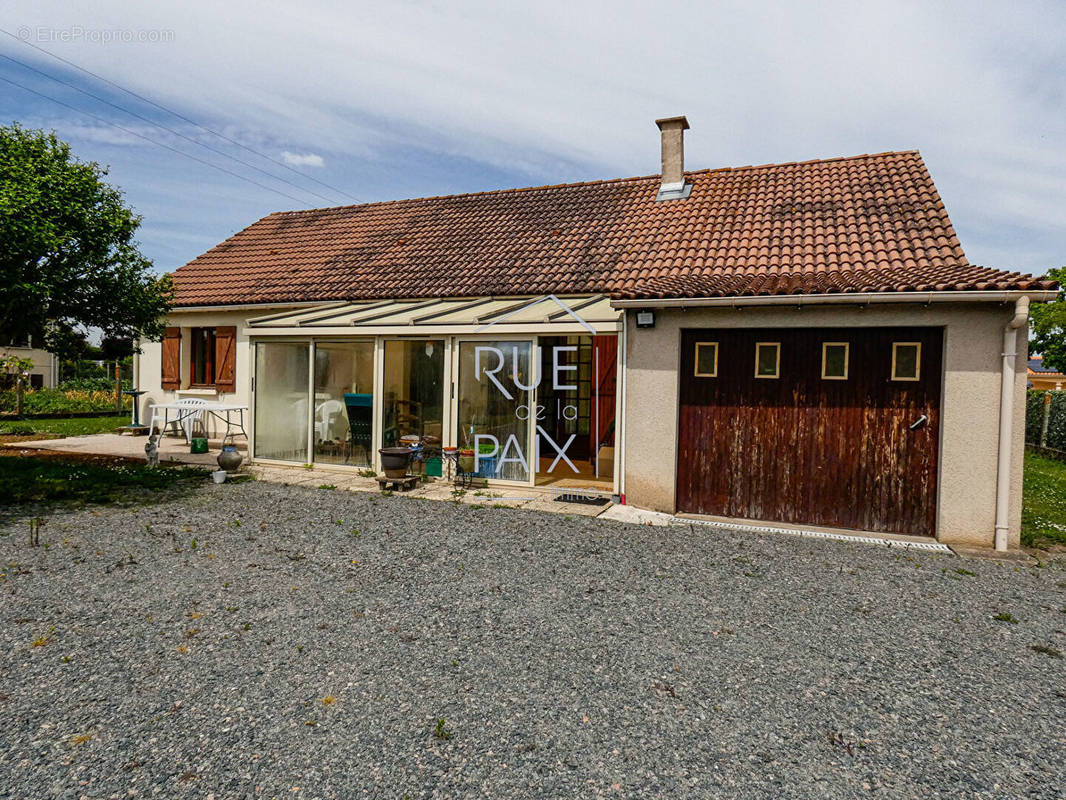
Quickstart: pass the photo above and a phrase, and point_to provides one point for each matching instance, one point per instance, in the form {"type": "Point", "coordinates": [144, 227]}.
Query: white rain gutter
{"type": "Point", "coordinates": [840, 298]}
{"type": "Point", "coordinates": [1006, 419]}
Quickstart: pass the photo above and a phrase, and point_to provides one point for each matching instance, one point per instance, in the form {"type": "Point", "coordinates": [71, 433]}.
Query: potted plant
{"type": "Point", "coordinates": [466, 460]}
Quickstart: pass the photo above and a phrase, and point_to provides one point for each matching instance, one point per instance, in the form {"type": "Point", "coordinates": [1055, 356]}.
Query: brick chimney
{"type": "Point", "coordinates": [673, 142]}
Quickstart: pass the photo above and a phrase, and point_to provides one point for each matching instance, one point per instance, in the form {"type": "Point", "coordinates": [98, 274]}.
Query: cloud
{"type": "Point", "coordinates": [415, 98]}
{"type": "Point", "coordinates": [298, 160]}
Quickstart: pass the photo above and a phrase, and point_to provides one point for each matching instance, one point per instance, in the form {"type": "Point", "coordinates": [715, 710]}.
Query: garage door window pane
{"type": "Point", "coordinates": [835, 361]}
{"type": "Point", "coordinates": [906, 361]}
{"type": "Point", "coordinates": [707, 360]}
{"type": "Point", "coordinates": [767, 359]}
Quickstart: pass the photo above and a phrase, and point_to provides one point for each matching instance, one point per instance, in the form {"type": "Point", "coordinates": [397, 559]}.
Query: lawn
{"type": "Point", "coordinates": [1044, 503]}
{"type": "Point", "coordinates": [77, 426]}
{"type": "Point", "coordinates": [93, 479]}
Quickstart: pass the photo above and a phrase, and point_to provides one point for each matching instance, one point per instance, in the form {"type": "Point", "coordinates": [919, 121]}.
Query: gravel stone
{"type": "Point", "coordinates": [261, 640]}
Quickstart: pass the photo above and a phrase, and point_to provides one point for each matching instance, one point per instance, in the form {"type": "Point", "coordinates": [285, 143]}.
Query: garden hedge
{"type": "Point", "coordinates": [1034, 416]}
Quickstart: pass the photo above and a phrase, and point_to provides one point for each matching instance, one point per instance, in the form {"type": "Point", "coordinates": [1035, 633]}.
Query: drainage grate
{"type": "Point", "coordinates": [936, 547]}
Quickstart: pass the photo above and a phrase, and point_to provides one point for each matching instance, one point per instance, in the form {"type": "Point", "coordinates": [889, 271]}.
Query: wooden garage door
{"type": "Point", "coordinates": [812, 443]}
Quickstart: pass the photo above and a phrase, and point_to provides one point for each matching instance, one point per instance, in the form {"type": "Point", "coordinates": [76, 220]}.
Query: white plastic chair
{"type": "Point", "coordinates": [325, 415]}
{"type": "Point", "coordinates": [185, 424]}
{"type": "Point", "coordinates": [190, 420]}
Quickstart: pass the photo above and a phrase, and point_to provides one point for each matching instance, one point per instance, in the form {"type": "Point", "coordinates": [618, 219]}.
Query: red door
{"type": "Point", "coordinates": [836, 427]}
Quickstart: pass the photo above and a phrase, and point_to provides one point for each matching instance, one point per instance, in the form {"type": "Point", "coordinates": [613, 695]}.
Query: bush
{"type": "Point", "coordinates": [1034, 416]}
{"type": "Point", "coordinates": [84, 369]}
{"type": "Point", "coordinates": [90, 385]}
{"type": "Point", "coordinates": [1056, 428]}
{"type": "Point", "coordinates": [55, 401]}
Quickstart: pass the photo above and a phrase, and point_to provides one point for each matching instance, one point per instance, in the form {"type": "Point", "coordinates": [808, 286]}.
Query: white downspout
{"type": "Point", "coordinates": [1006, 419]}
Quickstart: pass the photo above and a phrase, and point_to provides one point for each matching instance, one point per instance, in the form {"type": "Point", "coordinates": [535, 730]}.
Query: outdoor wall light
{"type": "Point", "coordinates": [645, 319]}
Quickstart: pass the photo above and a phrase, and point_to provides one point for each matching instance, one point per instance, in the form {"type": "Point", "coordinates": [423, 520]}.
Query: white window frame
{"type": "Point", "coordinates": [777, 363]}
{"type": "Point", "coordinates": [696, 364]}
{"type": "Point", "coordinates": [847, 360]}
{"type": "Point", "coordinates": [917, 361]}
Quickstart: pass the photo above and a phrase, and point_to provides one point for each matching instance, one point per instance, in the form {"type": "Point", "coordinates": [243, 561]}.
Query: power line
{"type": "Point", "coordinates": [152, 141]}
{"type": "Point", "coordinates": [180, 116]}
{"type": "Point", "coordinates": [168, 129]}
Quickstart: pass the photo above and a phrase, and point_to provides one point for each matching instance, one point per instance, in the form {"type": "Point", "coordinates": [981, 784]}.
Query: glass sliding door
{"type": "Point", "coordinates": [578, 407]}
{"type": "Point", "coordinates": [495, 389]}
{"type": "Point", "coordinates": [344, 386]}
{"type": "Point", "coordinates": [281, 412]}
{"type": "Point", "coordinates": [413, 391]}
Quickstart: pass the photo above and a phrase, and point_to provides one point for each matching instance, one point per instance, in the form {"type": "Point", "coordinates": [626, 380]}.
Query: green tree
{"type": "Point", "coordinates": [1049, 325]}
{"type": "Point", "coordinates": [68, 257]}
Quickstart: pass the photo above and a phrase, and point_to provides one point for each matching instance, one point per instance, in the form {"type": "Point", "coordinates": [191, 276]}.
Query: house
{"type": "Point", "coordinates": [45, 371]}
{"type": "Point", "coordinates": [802, 343]}
{"type": "Point", "coordinates": [1044, 378]}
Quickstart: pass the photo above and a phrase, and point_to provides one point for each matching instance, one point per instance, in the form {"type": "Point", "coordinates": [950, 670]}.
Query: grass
{"type": "Point", "coordinates": [1044, 502]}
{"type": "Point", "coordinates": [50, 480]}
{"type": "Point", "coordinates": [80, 426]}
{"type": "Point", "coordinates": [440, 731]}
{"type": "Point", "coordinates": [1046, 650]}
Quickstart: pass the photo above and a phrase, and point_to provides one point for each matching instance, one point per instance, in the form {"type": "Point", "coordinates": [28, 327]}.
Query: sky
{"type": "Point", "coordinates": [325, 104]}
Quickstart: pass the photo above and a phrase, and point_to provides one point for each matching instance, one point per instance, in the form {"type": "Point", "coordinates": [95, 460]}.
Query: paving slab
{"type": "Point", "coordinates": [638, 516]}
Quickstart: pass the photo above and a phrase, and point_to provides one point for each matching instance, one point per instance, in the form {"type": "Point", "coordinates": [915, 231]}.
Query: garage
{"type": "Point", "coordinates": [834, 427]}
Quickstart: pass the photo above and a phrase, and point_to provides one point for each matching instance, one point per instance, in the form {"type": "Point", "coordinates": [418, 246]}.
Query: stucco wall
{"type": "Point", "coordinates": [973, 342]}
{"type": "Point", "coordinates": [44, 363]}
{"type": "Point", "coordinates": [149, 369]}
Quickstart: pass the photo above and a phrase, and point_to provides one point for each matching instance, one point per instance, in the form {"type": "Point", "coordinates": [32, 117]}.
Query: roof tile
{"type": "Point", "coordinates": [859, 224]}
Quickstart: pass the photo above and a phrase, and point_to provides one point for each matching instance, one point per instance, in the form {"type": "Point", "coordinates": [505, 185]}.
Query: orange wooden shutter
{"type": "Point", "coordinates": [171, 359]}
{"type": "Point", "coordinates": [226, 358]}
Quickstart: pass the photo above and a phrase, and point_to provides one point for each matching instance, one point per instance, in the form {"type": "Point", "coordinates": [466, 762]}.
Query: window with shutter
{"type": "Point", "coordinates": [202, 357]}
{"type": "Point", "coordinates": [226, 358]}
{"type": "Point", "coordinates": [171, 359]}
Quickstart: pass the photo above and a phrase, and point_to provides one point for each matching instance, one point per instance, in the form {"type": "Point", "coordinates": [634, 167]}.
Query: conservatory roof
{"type": "Point", "coordinates": [546, 314]}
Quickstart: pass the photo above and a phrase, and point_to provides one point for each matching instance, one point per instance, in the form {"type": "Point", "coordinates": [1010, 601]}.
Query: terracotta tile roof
{"type": "Point", "coordinates": [865, 223]}
{"type": "Point", "coordinates": [1037, 368]}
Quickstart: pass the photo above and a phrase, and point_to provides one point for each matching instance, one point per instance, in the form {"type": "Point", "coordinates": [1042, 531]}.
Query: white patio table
{"type": "Point", "coordinates": [184, 412]}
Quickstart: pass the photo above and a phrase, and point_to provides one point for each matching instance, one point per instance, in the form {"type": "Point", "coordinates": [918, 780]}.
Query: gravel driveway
{"type": "Point", "coordinates": [271, 641]}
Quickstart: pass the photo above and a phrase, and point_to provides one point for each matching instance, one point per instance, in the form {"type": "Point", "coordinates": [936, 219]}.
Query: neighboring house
{"type": "Point", "coordinates": [799, 343]}
{"type": "Point", "coordinates": [45, 371]}
{"type": "Point", "coordinates": [1043, 378]}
